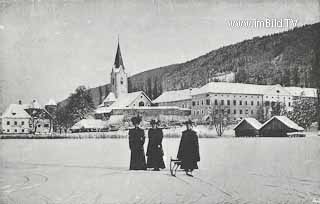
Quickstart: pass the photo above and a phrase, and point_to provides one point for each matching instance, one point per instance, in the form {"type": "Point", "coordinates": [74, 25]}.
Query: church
{"type": "Point", "coordinates": [120, 105]}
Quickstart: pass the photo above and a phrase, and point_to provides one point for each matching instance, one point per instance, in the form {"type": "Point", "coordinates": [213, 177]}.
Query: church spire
{"type": "Point", "coordinates": [118, 60]}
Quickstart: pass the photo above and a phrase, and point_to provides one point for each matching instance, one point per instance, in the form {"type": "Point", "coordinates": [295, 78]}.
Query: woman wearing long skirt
{"type": "Point", "coordinates": [188, 151]}
{"type": "Point", "coordinates": [136, 142]}
{"type": "Point", "coordinates": [154, 150]}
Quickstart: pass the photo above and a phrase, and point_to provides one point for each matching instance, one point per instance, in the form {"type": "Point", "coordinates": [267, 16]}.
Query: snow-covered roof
{"type": "Point", "coordinates": [124, 100]}
{"type": "Point", "coordinates": [239, 88]}
{"type": "Point", "coordinates": [102, 109]}
{"type": "Point", "coordinates": [178, 95]}
{"type": "Point", "coordinates": [51, 102]}
{"type": "Point", "coordinates": [35, 104]}
{"type": "Point", "coordinates": [252, 121]}
{"type": "Point", "coordinates": [89, 124]}
{"type": "Point", "coordinates": [110, 98]}
{"type": "Point", "coordinates": [304, 92]}
{"type": "Point", "coordinates": [285, 120]}
{"type": "Point", "coordinates": [16, 111]}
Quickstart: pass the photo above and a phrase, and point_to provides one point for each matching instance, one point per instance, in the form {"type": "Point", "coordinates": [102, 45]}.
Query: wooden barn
{"type": "Point", "coordinates": [279, 126]}
{"type": "Point", "coordinates": [247, 127]}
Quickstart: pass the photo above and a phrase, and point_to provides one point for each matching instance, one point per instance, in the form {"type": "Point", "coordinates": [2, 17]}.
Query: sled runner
{"type": "Point", "coordinates": [174, 165]}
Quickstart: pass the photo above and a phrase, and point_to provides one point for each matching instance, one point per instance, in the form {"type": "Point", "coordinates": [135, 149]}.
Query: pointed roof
{"type": "Point", "coordinates": [16, 111]}
{"type": "Point", "coordinates": [252, 121]}
{"type": "Point", "coordinates": [118, 59]}
{"type": "Point", "coordinates": [35, 104]}
{"type": "Point", "coordinates": [51, 102]}
{"type": "Point", "coordinates": [110, 98]}
{"type": "Point", "coordinates": [286, 121]}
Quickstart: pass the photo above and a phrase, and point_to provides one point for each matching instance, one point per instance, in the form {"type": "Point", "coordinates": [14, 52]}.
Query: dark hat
{"type": "Point", "coordinates": [136, 120]}
{"type": "Point", "coordinates": [188, 122]}
{"type": "Point", "coordinates": [154, 122]}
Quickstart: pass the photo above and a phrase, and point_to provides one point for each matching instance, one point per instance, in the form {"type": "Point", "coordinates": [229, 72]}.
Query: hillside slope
{"type": "Point", "coordinates": [290, 58]}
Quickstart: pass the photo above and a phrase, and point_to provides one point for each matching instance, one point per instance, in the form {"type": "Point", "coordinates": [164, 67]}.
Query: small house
{"type": "Point", "coordinates": [247, 127]}
{"type": "Point", "coordinates": [89, 125]}
{"type": "Point", "coordinates": [279, 126]}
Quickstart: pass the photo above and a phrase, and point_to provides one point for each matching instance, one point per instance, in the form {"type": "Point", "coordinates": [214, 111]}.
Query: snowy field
{"type": "Point", "coordinates": [95, 171]}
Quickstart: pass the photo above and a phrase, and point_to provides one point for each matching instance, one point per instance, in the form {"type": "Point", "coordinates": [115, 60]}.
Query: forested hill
{"type": "Point", "coordinates": [290, 58]}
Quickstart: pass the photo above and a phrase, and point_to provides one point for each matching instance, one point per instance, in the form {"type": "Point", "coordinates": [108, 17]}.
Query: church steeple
{"type": "Point", "coordinates": [118, 59]}
{"type": "Point", "coordinates": [119, 77]}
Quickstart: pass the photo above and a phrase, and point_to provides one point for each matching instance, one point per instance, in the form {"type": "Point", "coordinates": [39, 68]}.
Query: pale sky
{"type": "Point", "coordinates": [49, 47]}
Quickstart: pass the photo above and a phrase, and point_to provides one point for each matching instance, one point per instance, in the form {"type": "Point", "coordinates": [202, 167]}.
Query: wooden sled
{"type": "Point", "coordinates": [174, 165]}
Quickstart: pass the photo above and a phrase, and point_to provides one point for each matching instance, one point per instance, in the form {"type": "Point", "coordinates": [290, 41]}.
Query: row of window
{"type": "Point", "coordinates": [233, 96]}
{"type": "Point", "coordinates": [15, 130]}
{"type": "Point", "coordinates": [222, 102]}
{"type": "Point", "coordinates": [22, 123]}
{"type": "Point", "coordinates": [228, 111]}
{"type": "Point", "coordinates": [15, 122]}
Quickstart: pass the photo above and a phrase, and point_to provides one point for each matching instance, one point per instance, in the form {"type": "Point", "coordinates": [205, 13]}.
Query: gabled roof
{"type": "Point", "coordinates": [286, 121]}
{"type": "Point", "coordinates": [89, 124]}
{"type": "Point", "coordinates": [178, 95]}
{"type": "Point", "coordinates": [252, 121]}
{"type": "Point", "coordinates": [35, 104]}
{"type": "Point", "coordinates": [110, 98]}
{"type": "Point", "coordinates": [51, 102]}
{"type": "Point", "coordinates": [16, 111]}
{"type": "Point", "coordinates": [118, 59]}
{"type": "Point", "coordinates": [124, 100]}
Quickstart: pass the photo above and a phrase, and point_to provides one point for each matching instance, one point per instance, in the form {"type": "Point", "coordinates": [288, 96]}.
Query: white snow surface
{"type": "Point", "coordinates": [95, 171]}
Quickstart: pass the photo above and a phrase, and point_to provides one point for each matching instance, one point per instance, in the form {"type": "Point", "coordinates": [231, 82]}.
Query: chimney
{"type": "Point", "coordinates": [20, 102]}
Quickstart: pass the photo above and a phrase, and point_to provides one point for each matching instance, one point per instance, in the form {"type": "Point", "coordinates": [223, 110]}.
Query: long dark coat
{"type": "Point", "coordinates": [154, 150]}
{"type": "Point", "coordinates": [136, 142]}
{"type": "Point", "coordinates": [188, 151]}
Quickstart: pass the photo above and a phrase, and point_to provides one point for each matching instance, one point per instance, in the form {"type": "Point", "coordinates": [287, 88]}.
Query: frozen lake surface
{"type": "Point", "coordinates": [95, 171]}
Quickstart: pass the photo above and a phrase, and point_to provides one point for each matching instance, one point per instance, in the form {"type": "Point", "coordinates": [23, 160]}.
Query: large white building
{"type": "Point", "coordinates": [233, 100]}
{"type": "Point", "coordinates": [26, 118]}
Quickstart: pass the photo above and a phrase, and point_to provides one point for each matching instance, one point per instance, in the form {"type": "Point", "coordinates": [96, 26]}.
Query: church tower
{"type": "Point", "coordinates": [119, 77]}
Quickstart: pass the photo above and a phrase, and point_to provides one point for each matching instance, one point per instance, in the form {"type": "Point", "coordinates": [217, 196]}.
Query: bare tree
{"type": "Point", "coordinates": [219, 117]}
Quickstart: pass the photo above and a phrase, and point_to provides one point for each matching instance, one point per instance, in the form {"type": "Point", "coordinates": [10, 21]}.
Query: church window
{"type": "Point", "coordinates": [8, 122]}
{"type": "Point", "coordinates": [15, 123]}
{"type": "Point", "coordinates": [22, 123]}
{"type": "Point", "coordinates": [208, 101]}
{"type": "Point", "coordinates": [121, 80]}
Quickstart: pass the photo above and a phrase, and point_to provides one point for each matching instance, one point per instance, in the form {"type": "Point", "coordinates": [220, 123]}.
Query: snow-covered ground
{"type": "Point", "coordinates": [95, 171]}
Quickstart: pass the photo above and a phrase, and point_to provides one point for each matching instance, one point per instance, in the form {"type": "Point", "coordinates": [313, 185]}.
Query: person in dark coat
{"type": "Point", "coordinates": [154, 150]}
{"type": "Point", "coordinates": [188, 152]}
{"type": "Point", "coordinates": [136, 142]}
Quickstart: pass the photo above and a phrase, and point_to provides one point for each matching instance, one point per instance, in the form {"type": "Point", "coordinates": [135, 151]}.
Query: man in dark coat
{"type": "Point", "coordinates": [136, 142]}
{"type": "Point", "coordinates": [154, 150]}
{"type": "Point", "coordinates": [188, 152]}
